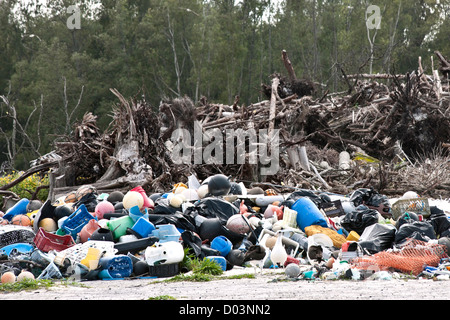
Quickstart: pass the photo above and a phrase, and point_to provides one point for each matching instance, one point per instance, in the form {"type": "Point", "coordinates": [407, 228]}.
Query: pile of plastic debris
{"type": "Point", "coordinates": [313, 235]}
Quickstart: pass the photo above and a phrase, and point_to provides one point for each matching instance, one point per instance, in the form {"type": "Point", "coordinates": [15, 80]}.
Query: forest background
{"type": "Point", "coordinates": [57, 64]}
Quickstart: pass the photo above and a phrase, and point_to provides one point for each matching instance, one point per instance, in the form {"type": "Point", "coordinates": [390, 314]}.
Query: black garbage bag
{"type": "Point", "coordinates": [196, 247]}
{"type": "Point", "coordinates": [89, 200]}
{"type": "Point", "coordinates": [359, 219]}
{"type": "Point", "coordinates": [213, 208]}
{"type": "Point", "coordinates": [407, 217]}
{"type": "Point", "coordinates": [372, 199]}
{"type": "Point", "coordinates": [214, 227]}
{"type": "Point", "coordinates": [440, 222]}
{"type": "Point", "coordinates": [294, 196]}
{"type": "Point", "coordinates": [418, 230]}
{"type": "Point", "coordinates": [162, 206]}
{"type": "Point", "coordinates": [180, 220]}
{"type": "Point", "coordinates": [380, 237]}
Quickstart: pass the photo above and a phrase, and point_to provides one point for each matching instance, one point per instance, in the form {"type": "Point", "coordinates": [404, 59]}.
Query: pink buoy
{"type": "Point", "coordinates": [102, 208]}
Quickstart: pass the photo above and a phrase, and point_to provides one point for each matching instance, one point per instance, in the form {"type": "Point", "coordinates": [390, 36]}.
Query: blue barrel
{"type": "Point", "coordinates": [308, 214]}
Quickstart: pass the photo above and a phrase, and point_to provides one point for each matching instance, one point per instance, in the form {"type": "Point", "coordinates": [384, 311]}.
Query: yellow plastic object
{"type": "Point", "coordinates": [32, 215]}
{"type": "Point", "coordinates": [92, 258]}
{"type": "Point", "coordinates": [179, 185]}
{"type": "Point", "coordinates": [365, 158]}
{"type": "Point", "coordinates": [337, 238]}
{"type": "Point", "coordinates": [353, 236]}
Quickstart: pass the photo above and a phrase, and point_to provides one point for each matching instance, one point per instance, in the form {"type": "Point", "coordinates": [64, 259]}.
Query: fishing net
{"type": "Point", "coordinates": [410, 257]}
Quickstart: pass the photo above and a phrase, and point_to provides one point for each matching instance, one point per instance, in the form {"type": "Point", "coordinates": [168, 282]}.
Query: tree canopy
{"type": "Point", "coordinates": [52, 74]}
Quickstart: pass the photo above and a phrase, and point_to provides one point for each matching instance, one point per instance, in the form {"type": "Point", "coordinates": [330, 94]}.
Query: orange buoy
{"type": "Point", "coordinates": [8, 277]}
{"type": "Point", "coordinates": [21, 220]}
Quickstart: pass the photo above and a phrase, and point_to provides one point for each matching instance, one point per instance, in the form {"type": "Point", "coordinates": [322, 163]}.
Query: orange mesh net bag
{"type": "Point", "coordinates": [411, 257]}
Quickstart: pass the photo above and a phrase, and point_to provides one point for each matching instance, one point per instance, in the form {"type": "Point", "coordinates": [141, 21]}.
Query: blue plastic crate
{"type": "Point", "coordinates": [76, 221]}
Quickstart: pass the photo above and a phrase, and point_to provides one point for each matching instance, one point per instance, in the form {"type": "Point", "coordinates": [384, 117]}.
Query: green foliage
{"type": "Point", "coordinates": [204, 266]}
{"type": "Point", "coordinates": [27, 187]}
{"type": "Point", "coordinates": [163, 297]}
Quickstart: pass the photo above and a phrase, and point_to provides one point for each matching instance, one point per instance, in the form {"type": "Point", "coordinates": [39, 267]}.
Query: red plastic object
{"type": "Point", "coordinates": [148, 203]}
{"type": "Point", "coordinates": [46, 241]}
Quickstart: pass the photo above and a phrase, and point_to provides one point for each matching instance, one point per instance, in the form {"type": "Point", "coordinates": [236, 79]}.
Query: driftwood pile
{"type": "Point", "coordinates": [397, 134]}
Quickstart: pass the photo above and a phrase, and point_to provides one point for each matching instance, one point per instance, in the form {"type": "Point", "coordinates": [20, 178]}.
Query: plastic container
{"type": "Point", "coordinates": [88, 229]}
{"type": "Point", "coordinates": [308, 214]}
{"type": "Point", "coordinates": [136, 214]}
{"type": "Point", "coordinates": [46, 241]}
{"type": "Point", "coordinates": [119, 226]}
{"type": "Point", "coordinates": [353, 236]}
{"type": "Point", "coordinates": [50, 272]}
{"type": "Point", "coordinates": [164, 253]}
{"type": "Point", "coordinates": [289, 218]}
{"type": "Point", "coordinates": [17, 247]}
{"type": "Point", "coordinates": [164, 270]}
{"type": "Point", "coordinates": [102, 234]}
{"type": "Point", "coordinates": [166, 233]}
{"type": "Point", "coordinates": [143, 227]}
{"type": "Point", "coordinates": [419, 206]}
{"type": "Point", "coordinates": [118, 266]}
{"type": "Point", "coordinates": [221, 261]}
{"type": "Point", "coordinates": [77, 221]}
{"type": "Point", "coordinates": [222, 244]}
{"type": "Point", "coordinates": [92, 258]}
{"type": "Point", "coordinates": [19, 208]}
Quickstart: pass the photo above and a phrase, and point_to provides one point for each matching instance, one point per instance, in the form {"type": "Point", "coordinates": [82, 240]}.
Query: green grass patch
{"type": "Point", "coordinates": [163, 297]}
{"type": "Point", "coordinates": [25, 285]}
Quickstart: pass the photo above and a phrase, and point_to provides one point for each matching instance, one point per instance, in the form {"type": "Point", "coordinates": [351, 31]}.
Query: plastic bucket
{"type": "Point", "coordinates": [87, 231]}
{"type": "Point", "coordinates": [222, 244]}
{"type": "Point", "coordinates": [308, 214]}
